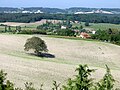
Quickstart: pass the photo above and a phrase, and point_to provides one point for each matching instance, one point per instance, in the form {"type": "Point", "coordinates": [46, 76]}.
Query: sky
{"type": "Point", "coordinates": [61, 3]}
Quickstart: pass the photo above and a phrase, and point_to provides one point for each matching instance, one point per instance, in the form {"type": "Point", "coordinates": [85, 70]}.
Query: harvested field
{"type": "Point", "coordinates": [13, 23]}
{"type": "Point", "coordinates": [27, 26]}
{"type": "Point", "coordinates": [22, 67]}
{"type": "Point", "coordinates": [32, 23]}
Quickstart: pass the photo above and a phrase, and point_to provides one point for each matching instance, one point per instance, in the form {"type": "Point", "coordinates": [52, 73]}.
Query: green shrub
{"type": "Point", "coordinates": [5, 84]}
{"type": "Point", "coordinates": [82, 80]}
{"type": "Point", "coordinates": [107, 83]}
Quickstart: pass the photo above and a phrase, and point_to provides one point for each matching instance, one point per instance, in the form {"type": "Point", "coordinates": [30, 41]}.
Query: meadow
{"type": "Point", "coordinates": [69, 53]}
{"type": "Point", "coordinates": [97, 26]}
{"type": "Point", "coordinates": [2, 28]}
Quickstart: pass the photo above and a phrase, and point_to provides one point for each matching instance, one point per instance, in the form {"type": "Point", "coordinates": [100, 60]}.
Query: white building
{"type": "Point", "coordinates": [93, 32]}
{"type": "Point", "coordinates": [63, 27]}
{"type": "Point", "coordinates": [26, 12]}
{"type": "Point", "coordinates": [97, 11]}
{"type": "Point", "coordinates": [38, 11]}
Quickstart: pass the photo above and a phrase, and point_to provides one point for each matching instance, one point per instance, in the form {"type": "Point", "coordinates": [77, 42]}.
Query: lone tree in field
{"type": "Point", "coordinates": [37, 44]}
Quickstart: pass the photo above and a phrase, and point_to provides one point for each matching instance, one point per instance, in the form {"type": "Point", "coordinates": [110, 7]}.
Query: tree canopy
{"type": "Point", "coordinates": [37, 44]}
{"type": "Point", "coordinates": [30, 17]}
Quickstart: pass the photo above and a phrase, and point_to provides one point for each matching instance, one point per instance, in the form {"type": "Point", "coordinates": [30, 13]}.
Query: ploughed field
{"type": "Point", "coordinates": [23, 67]}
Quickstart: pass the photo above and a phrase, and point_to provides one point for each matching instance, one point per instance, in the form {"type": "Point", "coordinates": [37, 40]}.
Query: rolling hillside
{"type": "Point", "coordinates": [68, 54]}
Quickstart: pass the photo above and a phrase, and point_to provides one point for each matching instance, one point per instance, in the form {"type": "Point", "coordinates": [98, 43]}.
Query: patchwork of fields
{"type": "Point", "coordinates": [68, 54]}
{"type": "Point", "coordinates": [32, 26]}
{"type": "Point", "coordinates": [26, 26]}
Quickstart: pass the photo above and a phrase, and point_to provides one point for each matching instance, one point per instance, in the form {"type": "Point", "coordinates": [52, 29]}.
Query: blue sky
{"type": "Point", "coordinates": [61, 3]}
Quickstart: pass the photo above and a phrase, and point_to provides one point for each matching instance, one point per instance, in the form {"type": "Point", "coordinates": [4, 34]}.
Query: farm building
{"type": "Point", "coordinates": [93, 32]}
{"type": "Point", "coordinates": [84, 35]}
{"type": "Point", "coordinates": [63, 27]}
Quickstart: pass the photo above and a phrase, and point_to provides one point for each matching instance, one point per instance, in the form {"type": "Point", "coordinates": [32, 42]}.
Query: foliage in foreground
{"type": "Point", "coordinates": [82, 81]}
{"type": "Point", "coordinates": [5, 85]}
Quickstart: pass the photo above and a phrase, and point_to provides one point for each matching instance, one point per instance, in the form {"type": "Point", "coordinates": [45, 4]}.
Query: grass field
{"type": "Point", "coordinates": [68, 54]}
{"type": "Point", "coordinates": [102, 26]}
{"type": "Point", "coordinates": [2, 28]}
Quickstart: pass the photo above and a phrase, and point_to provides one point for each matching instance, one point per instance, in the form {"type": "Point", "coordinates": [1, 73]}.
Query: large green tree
{"type": "Point", "coordinates": [37, 44]}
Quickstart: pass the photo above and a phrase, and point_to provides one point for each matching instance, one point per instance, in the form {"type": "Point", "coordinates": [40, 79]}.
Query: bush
{"type": "Point", "coordinates": [5, 85]}
{"type": "Point", "coordinates": [107, 83]}
{"type": "Point", "coordinates": [82, 80]}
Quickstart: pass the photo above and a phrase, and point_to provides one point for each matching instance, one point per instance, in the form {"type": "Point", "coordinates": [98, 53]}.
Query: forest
{"type": "Point", "coordinates": [91, 18]}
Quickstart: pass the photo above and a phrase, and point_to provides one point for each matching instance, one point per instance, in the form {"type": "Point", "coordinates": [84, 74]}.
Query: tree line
{"type": "Point", "coordinates": [110, 35]}
{"type": "Point", "coordinates": [92, 18]}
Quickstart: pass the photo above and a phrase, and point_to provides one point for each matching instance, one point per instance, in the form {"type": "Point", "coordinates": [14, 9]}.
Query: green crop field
{"type": "Point", "coordinates": [29, 26]}
{"type": "Point", "coordinates": [2, 28]}
{"type": "Point", "coordinates": [102, 26]}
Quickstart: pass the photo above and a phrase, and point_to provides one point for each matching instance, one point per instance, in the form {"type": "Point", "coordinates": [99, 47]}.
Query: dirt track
{"type": "Point", "coordinates": [22, 67]}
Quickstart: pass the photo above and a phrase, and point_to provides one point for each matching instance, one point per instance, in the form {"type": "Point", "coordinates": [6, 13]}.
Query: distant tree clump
{"type": "Point", "coordinates": [87, 24]}
{"type": "Point", "coordinates": [110, 35]}
{"type": "Point", "coordinates": [32, 17]}
{"type": "Point", "coordinates": [37, 44]}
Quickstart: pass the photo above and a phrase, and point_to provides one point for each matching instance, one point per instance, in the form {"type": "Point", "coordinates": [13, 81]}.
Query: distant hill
{"type": "Point", "coordinates": [72, 10]}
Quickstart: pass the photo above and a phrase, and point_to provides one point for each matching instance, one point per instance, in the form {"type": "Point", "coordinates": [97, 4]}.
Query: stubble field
{"type": "Point", "coordinates": [22, 67]}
